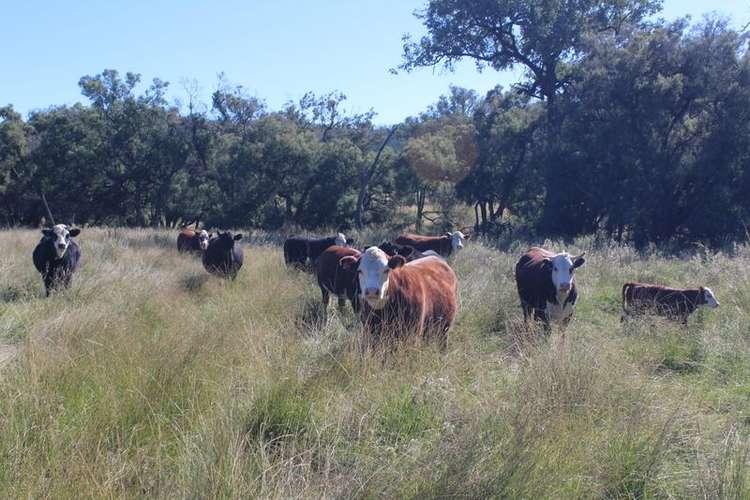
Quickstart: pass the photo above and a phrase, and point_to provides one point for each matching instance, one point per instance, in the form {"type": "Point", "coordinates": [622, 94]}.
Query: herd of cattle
{"type": "Point", "coordinates": [399, 288]}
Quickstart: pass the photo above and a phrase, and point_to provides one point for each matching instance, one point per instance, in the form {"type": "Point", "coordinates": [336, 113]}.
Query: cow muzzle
{"type": "Point", "coordinates": [564, 287]}
{"type": "Point", "coordinates": [372, 293]}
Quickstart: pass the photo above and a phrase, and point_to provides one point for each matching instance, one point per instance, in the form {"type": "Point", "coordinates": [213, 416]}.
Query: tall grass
{"type": "Point", "coordinates": [149, 378]}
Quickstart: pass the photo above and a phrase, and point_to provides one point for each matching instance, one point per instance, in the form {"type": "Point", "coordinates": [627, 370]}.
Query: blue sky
{"type": "Point", "coordinates": [276, 50]}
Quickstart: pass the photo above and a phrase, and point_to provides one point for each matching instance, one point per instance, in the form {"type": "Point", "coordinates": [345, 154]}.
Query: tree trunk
{"type": "Point", "coordinates": [366, 177]}
{"type": "Point", "coordinates": [421, 196]}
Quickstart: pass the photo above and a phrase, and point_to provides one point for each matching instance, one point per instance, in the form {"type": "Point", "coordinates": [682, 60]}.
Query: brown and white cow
{"type": "Point", "coordinates": [673, 303]}
{"type": "Point", "coordinates": [401, 299]}
{"type": "Point", "coordinates": [546, 285]}
{"type": "Point", "coordinates": [192, 241]}
{"type": "Point", "coordinates": [444, 245]}
{"type": "Point", "coordinates": [336, 280]}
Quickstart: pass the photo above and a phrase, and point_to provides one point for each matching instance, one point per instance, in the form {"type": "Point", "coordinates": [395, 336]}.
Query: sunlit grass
{"type": "Point", "coordinates": [150, 378]}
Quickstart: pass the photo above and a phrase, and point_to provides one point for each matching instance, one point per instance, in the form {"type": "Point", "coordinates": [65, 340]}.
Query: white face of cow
{"type": "Point", "coordinates": [710, 298]}
{"type": "Point", "coordinates": [373, 273]}
{"type": "Point", "coordinates": [563, 269]}
{"type": "Point", "coordinates": [457, 240]}
{"type": "Point", "coordinates": [60, 236]}
{"type": "Point", "coordinates": [203, 238]}
{"type": "Point", "coordinates": [340, 240]}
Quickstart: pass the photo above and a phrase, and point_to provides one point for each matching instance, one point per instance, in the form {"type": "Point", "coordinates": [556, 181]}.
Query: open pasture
{"type": "Point", "coordinates": [149, 377]}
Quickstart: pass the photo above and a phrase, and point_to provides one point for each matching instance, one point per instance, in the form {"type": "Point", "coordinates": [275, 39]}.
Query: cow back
{"type": "Point", "coordinates": [440, 244]}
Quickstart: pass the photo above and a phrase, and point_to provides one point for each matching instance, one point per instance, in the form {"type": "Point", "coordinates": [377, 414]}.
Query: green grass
{"type": "Point", "coordinates": [151, 379]}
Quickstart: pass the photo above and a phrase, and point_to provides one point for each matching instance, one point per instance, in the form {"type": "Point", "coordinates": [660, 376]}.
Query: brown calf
{"type": "Point", "coordinates": [192, 241]}
{"type": "Point", "coordinates": [418, 298]}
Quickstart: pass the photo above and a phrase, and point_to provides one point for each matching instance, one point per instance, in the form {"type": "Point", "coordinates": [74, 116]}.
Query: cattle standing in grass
{"type": "Point", "coordinates": [546, 285]}
{"type": "Point", "coordinates": [398, 298]}
{"type": "Point", "coordinates": [302, 252]}
{"type": "Point", "coordinates": [57, 256]}
{"type": "Point", "coordinates": [444, 245]}
{"type": "Point", "coordinates": [224, 256]}
{"type": "Point", "coordinates": [193, 241]}
{"type": "Point", "coordinates": [336, 280]}
{"type": "Point", "coordinates": [673, 303]}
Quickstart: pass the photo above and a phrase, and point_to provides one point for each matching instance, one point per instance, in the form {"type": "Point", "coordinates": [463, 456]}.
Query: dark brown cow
{"type": "Point", "coordinates": [444, 245]}
{"type": "Point", "coordinates": [546, 285]}
{"type": "Point", "coordinates": [418, 298]}
{"type": "Point", "coordinates": [336, 280]}
{"type": "Point", "coordinates": [192, 241]}
{"type": "Point", "coordinates": [673, 303]}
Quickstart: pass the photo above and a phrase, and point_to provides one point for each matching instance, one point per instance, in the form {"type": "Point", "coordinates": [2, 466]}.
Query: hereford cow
{"type": "Point", "coordinates": [224, 255]}
{"type": "Point", "coordinates": [546, 285]}
{"type": "Point", "coordinates": [417, 298]}
{"type": "Point", "coordinates": [301, 252]}
{"type": "Point", "coordinates": [193, 241]}
{"type": "Point", "coordinates": [336, 280]}
{"type": "Point", "coordinates": [57, 256]}
{"type": "Point", "coordinates": [410, 253]}
{"type": "Point", "coordinates": [444, 245]}
{"type": "Point", "coordinates": [673, 303]}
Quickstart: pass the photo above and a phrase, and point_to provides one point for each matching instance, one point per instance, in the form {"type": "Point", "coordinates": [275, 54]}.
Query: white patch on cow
{"type": "Point", "coordinates": [61, 239]}
{"type": "Point", "coordinates": [457, 240]}
{"type": "Point", "coordinates": [560, 311]}
{"type": "Point", "coordinates": [340, 240]}
{"type": "Point", "coordinates": [373, 277]}
{"type": "Point", "coordinates": [710, 298]}
{"type": "Point", "coordinates": [432, 253]}
{"type": "Point", "coordinates": [562, 275]}
{"type": "Point", "coordinates": [203, 239]}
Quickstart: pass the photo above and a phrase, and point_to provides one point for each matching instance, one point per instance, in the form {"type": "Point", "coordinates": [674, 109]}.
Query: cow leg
{"type": "Point", "coordinates": [526, 308]}
{"type": "Point", "coordinates": [342, 304]}
{"type": "Point", "coordinates": [326, 299]}
{"type": "Point", "coordinates": [541, 315]}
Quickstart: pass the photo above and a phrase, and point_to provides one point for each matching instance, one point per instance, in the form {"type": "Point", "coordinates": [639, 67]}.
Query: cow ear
{"type": "Point", "coordinates": [467, 236]}
{"type": "Point", "coordinates": [74, 232]}
{"type": "Point", "coordinates": [579, 261]}
{"type": "Point", "coordinates": [396, 261]}
{"type": "Point", "coordinates": [349, 262]}
{"type": "Point", "coordinates": [48, 232]}
{"type": "Point", "coordinates": [449, 235]}
{"type": "Point", "coordinates": [238, 237]}
{"type": "Point", "coordinates": [546, 262]}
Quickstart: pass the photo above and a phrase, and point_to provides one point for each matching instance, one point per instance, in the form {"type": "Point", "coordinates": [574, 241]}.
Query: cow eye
{"type": "Point", "coordinates": [554, 269]}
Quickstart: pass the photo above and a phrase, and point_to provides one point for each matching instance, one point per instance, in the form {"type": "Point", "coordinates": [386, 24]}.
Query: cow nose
{"type": "Point", "coordinates": [564, 287]}
{"type": "Point", "coordinates": [61, 246]}
{"type": "Point", "coordinates": [371, 292]}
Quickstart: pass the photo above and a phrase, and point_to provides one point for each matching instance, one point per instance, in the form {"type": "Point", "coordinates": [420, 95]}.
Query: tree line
{"type": "Point", "coordinates": [624, 125]}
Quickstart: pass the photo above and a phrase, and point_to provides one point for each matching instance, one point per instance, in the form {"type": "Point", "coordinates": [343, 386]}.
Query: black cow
{"type": "Point", "coordinates": [224, 256]}
{"type": "Point", "coordinates": [57, 256]}
{"type": "Point", "coordinates": [546, 285]}
{"type": "Point", "coordinates": [301, 252]}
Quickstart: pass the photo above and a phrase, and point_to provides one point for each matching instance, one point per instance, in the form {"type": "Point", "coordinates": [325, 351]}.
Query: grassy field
{"type": "Point", "coordinates": [149, 378]}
